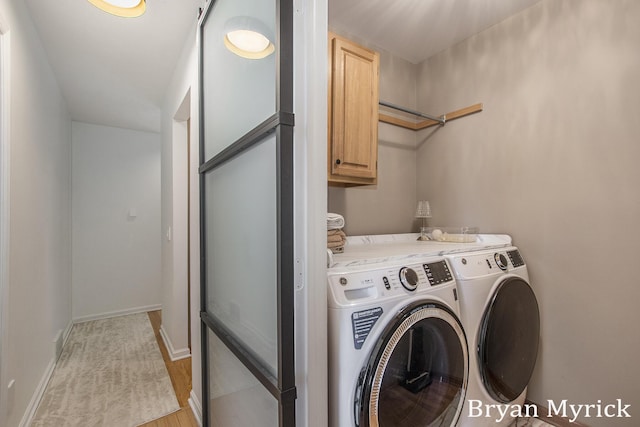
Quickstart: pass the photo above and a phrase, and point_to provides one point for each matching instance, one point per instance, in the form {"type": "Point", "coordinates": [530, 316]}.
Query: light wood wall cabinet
{"type": "Point", "coordinates": [353, 113]}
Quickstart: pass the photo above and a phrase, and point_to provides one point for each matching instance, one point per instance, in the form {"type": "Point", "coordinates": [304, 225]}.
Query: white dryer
{"type": "Point", "coordinates": [499, 313]}
{"type": "Point", "coordinates": [397, 351]}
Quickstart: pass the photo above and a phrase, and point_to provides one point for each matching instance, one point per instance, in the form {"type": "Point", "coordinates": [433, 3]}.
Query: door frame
{"type": "Point", "coordinates": [5, 169]}
{"type": "Point", "coordinates": [181, 224]}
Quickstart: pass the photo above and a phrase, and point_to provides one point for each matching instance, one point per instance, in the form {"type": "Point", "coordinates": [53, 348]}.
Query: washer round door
{"type": "Point", "coordinates": [417, 372]}
{"type": "Point", "coordinates": [508, 340]}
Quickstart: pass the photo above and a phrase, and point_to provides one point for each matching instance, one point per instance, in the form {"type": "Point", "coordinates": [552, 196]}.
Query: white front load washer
{"type": "Point", "coordinates": [397, 351]}
{"type": "Point", "coordinates": [499, 313]}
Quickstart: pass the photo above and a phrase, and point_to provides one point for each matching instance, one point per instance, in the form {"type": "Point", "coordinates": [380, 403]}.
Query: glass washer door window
{"type": "Point", "coordinates": [417, 373]}
{"type": "Point", "coordinates": [508, 340]}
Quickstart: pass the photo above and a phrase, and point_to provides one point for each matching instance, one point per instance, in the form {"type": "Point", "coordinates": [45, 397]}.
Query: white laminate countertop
{"type": "Point", "coordinates": [361, 251]}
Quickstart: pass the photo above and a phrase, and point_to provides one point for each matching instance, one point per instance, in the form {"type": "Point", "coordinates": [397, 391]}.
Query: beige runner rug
{"type": "Point", "coordinates": [110, 374]}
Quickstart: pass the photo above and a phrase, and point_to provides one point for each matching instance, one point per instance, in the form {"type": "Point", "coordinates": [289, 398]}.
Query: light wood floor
{"type": "Point", "coordinates": [180, 373]}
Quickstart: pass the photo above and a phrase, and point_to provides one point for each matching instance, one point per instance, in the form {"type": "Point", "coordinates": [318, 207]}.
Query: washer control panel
{"type": "Point", "coordinates": [408, 278]}
{"type": "Point", "coordinates": [353, 287]}
{"type": "Point", "coordinates": [438, 273]}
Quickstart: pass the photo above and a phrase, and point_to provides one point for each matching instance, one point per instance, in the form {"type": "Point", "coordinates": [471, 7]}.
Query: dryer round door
{"type": "Point", "coordinates": [508, 340]}
{"type": "Point", "coordinates": [417, 373]}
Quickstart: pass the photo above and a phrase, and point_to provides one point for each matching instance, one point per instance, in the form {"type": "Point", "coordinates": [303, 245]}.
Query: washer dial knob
{"type": "Point", "coordinates": [501, 260]}
{"type": "Point", "coordinates": [409, 278]}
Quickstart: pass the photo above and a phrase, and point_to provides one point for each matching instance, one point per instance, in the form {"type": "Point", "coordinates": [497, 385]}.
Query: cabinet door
{"type": "Point", "coordinates": [353, 117]}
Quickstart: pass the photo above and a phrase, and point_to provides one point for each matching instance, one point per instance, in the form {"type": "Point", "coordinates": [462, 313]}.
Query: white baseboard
{"type": "Point", "coordinates": [30, 412]}
{"type": "Point", "coordinates": [196, 408]}
{"type": "Point", "coordinates": [60, 340]}
{"type": "Point", "coordinates": [37, 395]}
{"type": "Point", "coordinates": [174, 354]}
{"type": "Point", "coordinates": [117, 313]}
{"type": "Point", "coordinates": [66, 333]}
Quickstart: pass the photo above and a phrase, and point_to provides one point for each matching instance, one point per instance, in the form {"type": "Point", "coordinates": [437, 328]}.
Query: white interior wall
{"type": "Point", "coordinates": [389, 206]}
{"type": "Point", "coordinates": [310, 198]}
{"type": "Point", "coordinates": [116, 221]}
{"type": "Point", "coordinates": [181, 102]}
{"type": "Point", "coordinates": [5, 177]}
{"type": "Point", "coordinates": [39, 288]}
{"type": "Point", "coordinates": [552, 160]}
{"type": "Point", "coordinates": [175, 294]}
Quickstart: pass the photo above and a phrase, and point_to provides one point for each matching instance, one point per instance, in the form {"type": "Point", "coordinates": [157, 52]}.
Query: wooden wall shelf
{"type": "Point", "coordinates": [413, 125]}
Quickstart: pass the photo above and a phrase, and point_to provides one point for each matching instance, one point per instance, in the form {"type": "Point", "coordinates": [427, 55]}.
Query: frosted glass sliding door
{"type": "Point", "coordinates": [246, 201]}
{"type": "Point", "coordinates": [237, 398]}
{"type": "Point", "coordinates": [241, 257]}
{"type": "Point", "coordinates": [238, 93]}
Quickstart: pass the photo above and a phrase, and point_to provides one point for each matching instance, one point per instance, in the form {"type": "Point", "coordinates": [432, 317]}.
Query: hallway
{"type": "Point", "coordinates": [87, 130]}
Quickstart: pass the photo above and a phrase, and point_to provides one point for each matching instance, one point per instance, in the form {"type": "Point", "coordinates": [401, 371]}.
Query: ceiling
{"type": "Point", "coordinates": [417, 29]}
{"type": "Point", "coordinates": [115, 71]}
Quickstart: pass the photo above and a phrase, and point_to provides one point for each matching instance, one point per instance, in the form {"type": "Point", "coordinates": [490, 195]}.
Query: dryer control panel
{"type": "Point", "coordinates": [485, 263]}
{"type": "Point", "coordinates": [352, 287]}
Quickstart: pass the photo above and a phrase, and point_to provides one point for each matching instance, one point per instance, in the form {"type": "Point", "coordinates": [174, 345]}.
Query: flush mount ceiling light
{"type": "Point", "coordinates": [248, 37]}
{"type": "Point", "coordinates": [124, 8]}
